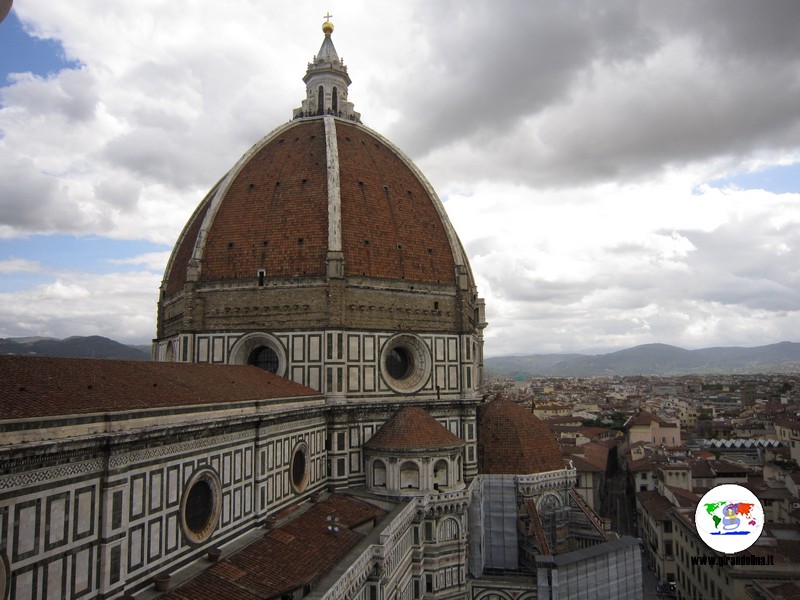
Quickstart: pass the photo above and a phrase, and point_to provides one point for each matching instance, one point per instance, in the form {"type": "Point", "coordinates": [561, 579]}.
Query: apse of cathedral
{"type": "Point", "coordinates": [313, 423]}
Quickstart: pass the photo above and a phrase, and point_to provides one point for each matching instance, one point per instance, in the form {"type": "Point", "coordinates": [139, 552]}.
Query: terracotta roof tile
{"type": "Point", "coordinates": [412, 428]}
{"type": "Point", "coordinates": [33, 387]}
{"type": "Point", "coordinates": [299, 553]}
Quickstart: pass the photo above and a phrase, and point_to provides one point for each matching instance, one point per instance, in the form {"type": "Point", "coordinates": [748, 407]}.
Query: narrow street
{"type": "Point", "coordinates": [620, 506]}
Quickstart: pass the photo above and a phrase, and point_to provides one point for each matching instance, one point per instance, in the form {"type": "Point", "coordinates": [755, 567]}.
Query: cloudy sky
{"type": "Point", "coordinates": [620, 172]}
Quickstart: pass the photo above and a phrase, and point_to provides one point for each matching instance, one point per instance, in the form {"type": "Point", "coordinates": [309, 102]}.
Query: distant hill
{"type": "Point", "coordinates": [93, 346]}
{"type": "Point", "coordinates": [650, 359]}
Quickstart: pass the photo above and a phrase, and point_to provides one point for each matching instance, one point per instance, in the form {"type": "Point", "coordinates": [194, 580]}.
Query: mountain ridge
{"type": "Point", "coordinates": [651, 359]}
{"type": "Point", "coordinates": [93, 346]}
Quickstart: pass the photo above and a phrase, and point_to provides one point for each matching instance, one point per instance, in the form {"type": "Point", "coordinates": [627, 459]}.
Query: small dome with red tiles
{"type": "Point", "coordinates": [512, 441]}
{"type": "Point", "coordinates": [412, 428]}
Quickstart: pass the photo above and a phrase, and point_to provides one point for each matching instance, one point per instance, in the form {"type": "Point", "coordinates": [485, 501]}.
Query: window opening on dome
{"type": "Point", "coordinates": [435, 306]}
{"type": "Point", "coordinates": [230, 245]}
{"type": "Point", "coordinates": [378, 474]}
{"type": "Point", "coordinates": [320, 101]}
{"type": "Point", "coordinates": [265, 243]}
{"type": "Point", "coordinates": [399, 363]}
{"type": "Point", "coordinates": [335, 101]}
{"type": "Point", "coordinates": [261, 276]}
{"type": "Point", "coordinates": [299, 240]}
{"type": "Point", "coordinates": [440, 472]}
{"type": "Point", "coordinates": [300, 467]}
{"type": "Point", "coordinates": [366, 242]}
{"type": "Point", "coordinates": [198, 506]}
{"type": "Point", "coordinates": [409, 476]}
{"type": "Point", "coordinates": [264, 358]}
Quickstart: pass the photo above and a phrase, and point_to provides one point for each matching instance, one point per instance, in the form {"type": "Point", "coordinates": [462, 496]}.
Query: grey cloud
{"type": "Point", "coordinates": [738, 264]}
{"type": "Point", "coordinates": [546, 67]}
{"type": "Point", "coordinates": [495, 63]}
{"type": "Point", "coordinates": [123, 195]}
{"type": "Point", "coordinates": [160, 156]}
{"type": "Point", "coordinates": [33, 201]}
{"type": "Point", "coordinates": [72, 93]}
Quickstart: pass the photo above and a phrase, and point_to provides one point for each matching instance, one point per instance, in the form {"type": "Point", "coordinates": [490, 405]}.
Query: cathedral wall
{"type": "Point", "coordinates": [105, 516]}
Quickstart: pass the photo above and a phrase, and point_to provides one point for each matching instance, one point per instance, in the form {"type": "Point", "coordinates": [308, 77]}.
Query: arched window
{"type": "Point", "coordinates": [440, 470]}
{"type": "Point", "coordinates": [448, 530]}
{"type": "Point", "coordinates": [378, 474]}
{"type": "Point", "coordinates": [409, 476]}
{"type": "Point", "coordinates": [320, 101]}
{"type": "Point", "coordinates": [335, 102]}
{"type": "Point", "coordinates": [265, 358]}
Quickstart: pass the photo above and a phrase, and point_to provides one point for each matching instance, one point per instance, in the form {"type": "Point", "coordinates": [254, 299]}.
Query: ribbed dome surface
{"type": "Point", "coordinates": [412, 428]}
{"type": "Point", "coordinates": [272, 213]}
{"type": "Point", "coordinates": [512, 441]}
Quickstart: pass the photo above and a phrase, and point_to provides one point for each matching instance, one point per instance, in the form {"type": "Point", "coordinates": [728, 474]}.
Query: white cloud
{"type": "Point", "coordinates": [19, 265]}
{"type": "Point", "coordinates": [117, 305]}
{"type": "Point", "coordinates": [153, 261]}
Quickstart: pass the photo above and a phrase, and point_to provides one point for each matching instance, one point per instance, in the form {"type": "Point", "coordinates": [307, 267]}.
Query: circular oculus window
{"type": "Point", "coordinates": [201, 506]}
{"type": "Point", "coordinates": [261, 350]}
{"type": "Point", "coordinates": [300, 467]}
{"type": "Point", "coordinates": [5, 572]}
{"type": "Point", "coordinates": [405, 363]}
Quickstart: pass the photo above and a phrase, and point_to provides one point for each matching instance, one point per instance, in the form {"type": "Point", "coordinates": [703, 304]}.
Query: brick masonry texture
{"type": "Point", "coordinates": [390, 227]}
{"type": "Point", "coordinates": [274, 215]}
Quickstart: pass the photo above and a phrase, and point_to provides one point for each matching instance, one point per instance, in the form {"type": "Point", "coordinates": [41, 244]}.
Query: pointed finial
{"type": "Point", "coordinates": [327, 26]}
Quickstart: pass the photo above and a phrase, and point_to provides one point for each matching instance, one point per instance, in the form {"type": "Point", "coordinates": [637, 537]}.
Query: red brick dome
{"type": "Point", "coordinates": [272, 214]}
{"type": "Point", "coordinates": [320, 199]}
{"type": "Point", "coordinates": [512, 441]}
